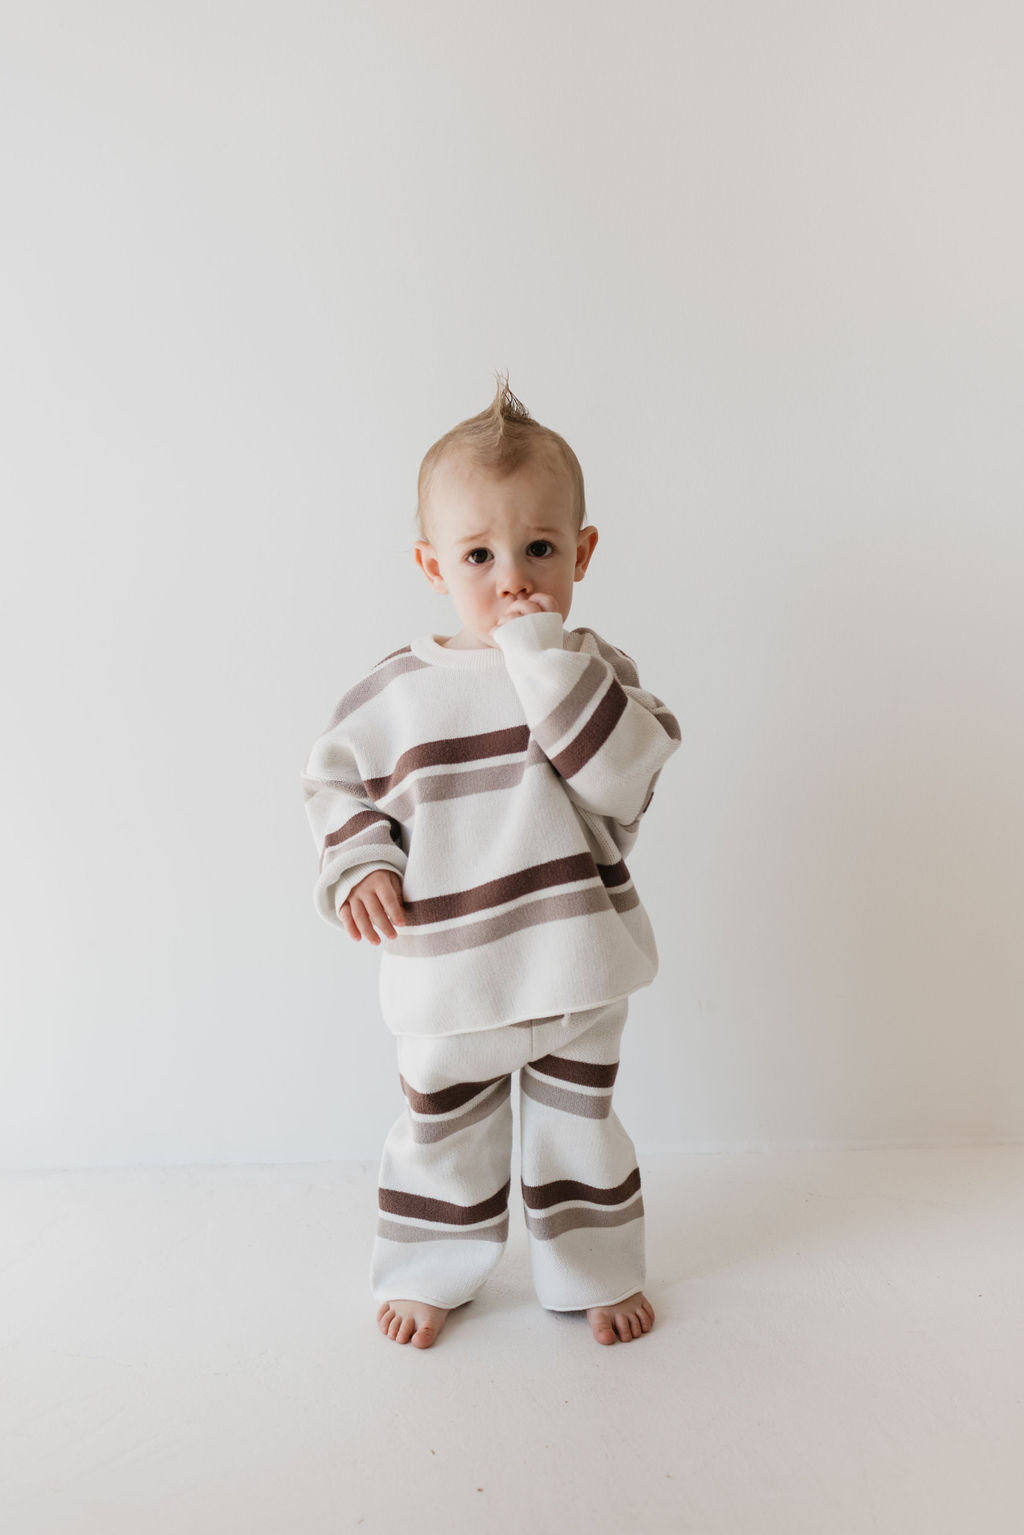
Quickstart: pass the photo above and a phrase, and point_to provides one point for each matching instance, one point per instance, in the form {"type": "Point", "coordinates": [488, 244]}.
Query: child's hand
{"type": "Point", "coordinates": [540, 602]}
{"type": "Point", "coordinates": [376, 900]}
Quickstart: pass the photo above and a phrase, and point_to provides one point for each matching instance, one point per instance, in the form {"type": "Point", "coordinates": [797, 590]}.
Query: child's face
{"type": "Point", "coordinates": [496, 540]}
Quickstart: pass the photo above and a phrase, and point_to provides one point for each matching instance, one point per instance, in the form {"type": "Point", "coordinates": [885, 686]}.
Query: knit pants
{"type": "Point", "coordinates": [445, 1171]}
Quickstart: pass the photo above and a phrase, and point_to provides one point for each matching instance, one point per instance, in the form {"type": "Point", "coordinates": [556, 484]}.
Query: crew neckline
{"type": "Point", "coordinates": [484, 658]}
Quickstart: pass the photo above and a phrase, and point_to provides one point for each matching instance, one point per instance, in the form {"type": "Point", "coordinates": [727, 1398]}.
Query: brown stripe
{"type": "Point", "coordinates": [589, 683]}
{"type": "Point", "coordinates": [470, 935]}
{"type": "Point", "coordinates": [571, 869]}
{"type": "Point", "coordinates": [538, 1196]}
{"type": "Point", "coordinates": [497, 892]}
{"type": "Point", "coordinates": [359, 822]}
{"type": "Point", "coordinates": [446, 1098]}
{"type": "Point", "coordinates": [431, 787]}
{"type": "Point", "coordinates": [614, 873]}
{"type": "Point", "coordinates": [544, 1228]}
{"type": "Point", "coordinates": [594, 733]}
{"type": "Point", "coordinates": [428, 1131]}
{"type": "Point", "coordinates": [490, 743]}
{"type": "Point", "coordinates": [583, 1073]}
{"type": "Point", "coordinates": [442, 1211]}
{"type": "Point", "coordinates": [623, 665]}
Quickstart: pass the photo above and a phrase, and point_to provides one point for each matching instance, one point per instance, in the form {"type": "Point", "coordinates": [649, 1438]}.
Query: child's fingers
{"type": "Point", "coordinates": [345, 913]}
{"type": "Point", "coordinates": [361, 918]}
{"type": "Point", "coordinates": [379, 917]}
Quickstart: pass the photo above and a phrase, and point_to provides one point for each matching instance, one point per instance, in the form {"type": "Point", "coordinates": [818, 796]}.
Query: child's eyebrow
{"type": "Point", "coordinates": [475, 538]}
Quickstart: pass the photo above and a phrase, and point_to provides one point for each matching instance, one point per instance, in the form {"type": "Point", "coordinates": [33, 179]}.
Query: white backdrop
{"type": "Point", "coordinates": [761, 265]}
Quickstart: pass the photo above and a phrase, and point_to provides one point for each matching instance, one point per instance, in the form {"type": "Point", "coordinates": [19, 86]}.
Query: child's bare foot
{"type": "Point", "coordinates": [629, 1318]}
{"type": "Point", "coordinates": [411, 1321]}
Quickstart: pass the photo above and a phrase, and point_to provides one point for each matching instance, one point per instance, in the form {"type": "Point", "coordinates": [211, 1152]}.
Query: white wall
{"type": "Point", "coordinates": [761, 265]}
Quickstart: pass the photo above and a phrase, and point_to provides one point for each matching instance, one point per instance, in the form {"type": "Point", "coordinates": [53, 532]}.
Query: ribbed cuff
{"type": "Point", "coordinates": [531, 631]}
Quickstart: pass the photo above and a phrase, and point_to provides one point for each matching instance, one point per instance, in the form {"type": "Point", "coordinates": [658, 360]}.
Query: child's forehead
{"type": "Point", "coordinates": [464, 489]}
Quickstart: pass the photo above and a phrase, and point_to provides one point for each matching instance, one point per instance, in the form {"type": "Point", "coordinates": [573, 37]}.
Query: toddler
{"type": "Point", "coordinates": [473, 800]}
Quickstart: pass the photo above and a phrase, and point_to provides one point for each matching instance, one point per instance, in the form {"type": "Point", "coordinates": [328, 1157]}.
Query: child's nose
{"type": "Point", "coordinates": [514, 581]}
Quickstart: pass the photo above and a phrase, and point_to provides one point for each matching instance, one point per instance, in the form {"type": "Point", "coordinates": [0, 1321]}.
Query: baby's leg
{"type": "Point", "coordinates": [444, 1183]}
{"type": "Point", "coordinates": [581, 1182]}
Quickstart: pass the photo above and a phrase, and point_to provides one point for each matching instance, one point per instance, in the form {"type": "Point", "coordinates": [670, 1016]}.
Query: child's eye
{"type": "Point", "coordinates": [543, 543]}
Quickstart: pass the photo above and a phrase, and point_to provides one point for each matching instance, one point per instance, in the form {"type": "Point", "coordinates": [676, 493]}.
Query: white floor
{"type": "Point", "coordinates": [839, 1347]}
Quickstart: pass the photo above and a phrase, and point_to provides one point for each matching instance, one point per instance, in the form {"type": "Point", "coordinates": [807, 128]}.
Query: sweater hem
{"type": "Point", "coordinates": [487, 1028]}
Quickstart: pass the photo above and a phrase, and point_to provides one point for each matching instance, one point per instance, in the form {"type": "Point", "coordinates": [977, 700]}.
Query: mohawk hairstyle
{"type": "Point", "coordinates": [500, 439]}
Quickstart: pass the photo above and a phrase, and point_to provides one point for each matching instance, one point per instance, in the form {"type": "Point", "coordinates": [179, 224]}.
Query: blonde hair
{"type": "Point", "coordinates": [500, 439]}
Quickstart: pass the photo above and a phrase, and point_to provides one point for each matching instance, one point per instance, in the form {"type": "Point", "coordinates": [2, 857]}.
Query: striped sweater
{"type": "Point", "coordinates": [505, 786]}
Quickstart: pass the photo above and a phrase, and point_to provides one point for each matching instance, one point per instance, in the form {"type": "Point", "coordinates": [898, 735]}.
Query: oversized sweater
{"type": "Point", "coordinates": [505, 786]}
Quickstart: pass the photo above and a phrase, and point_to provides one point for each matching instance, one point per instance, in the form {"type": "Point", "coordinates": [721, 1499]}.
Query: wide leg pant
{"type": "Point", "coordinates": [445, 1171]}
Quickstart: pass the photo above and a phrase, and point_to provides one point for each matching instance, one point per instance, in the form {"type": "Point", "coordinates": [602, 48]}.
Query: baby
{"type": "Point", "coordinates": [473, 800]}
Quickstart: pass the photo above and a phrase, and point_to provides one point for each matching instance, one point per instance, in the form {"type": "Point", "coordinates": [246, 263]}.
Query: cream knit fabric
{"type": "Point", "coordinates": [505, 786]}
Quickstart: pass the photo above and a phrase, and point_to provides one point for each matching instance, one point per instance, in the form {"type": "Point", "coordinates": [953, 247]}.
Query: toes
{"type": "Point", "coordinates": [425, 1335]}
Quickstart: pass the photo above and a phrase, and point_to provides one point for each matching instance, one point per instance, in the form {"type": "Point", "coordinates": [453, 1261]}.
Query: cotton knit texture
{"type": "Point", "coordinates": [506, 786]}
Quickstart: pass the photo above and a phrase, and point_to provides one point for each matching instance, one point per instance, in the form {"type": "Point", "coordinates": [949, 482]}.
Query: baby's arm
{"type": "Point", "coordinates": [607, 737]}
{"type": "Point", "coordinates": [353, 836]}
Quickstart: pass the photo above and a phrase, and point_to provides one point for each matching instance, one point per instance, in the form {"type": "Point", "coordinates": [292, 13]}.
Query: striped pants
{"type": "Point", "coordinates": [445, 1169]}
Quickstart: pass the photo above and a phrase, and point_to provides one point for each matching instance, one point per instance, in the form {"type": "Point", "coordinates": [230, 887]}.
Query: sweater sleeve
{"type": "Point", "coordinates": [352, 836]}
{"type": "Point", "coordinates": [604, 734]}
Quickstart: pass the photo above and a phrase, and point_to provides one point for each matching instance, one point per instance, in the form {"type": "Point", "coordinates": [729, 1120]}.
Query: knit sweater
{"type": "Point", "coordinates": [505, 785]}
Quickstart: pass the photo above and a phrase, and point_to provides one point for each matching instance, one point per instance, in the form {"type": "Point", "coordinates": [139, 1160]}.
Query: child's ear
{"type": "Point", "coordinates": [585, 545]}
{"type": "Point", "coordinates": [426, 559]}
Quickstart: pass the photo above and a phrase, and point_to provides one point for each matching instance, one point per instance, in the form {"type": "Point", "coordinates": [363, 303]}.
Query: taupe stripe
{"type": "Point", "coordinates": [470, 935]}
{"type": "Point", "coordinates": [375, 682]}
{"type": "Point", "coordinates": [394, 1231]}
{"type": "Point", "coordinates": [426, 1131]}
{"type": "Point", "coordinates": [538, 1196]}
{"type": "Point", "coordinates": [594, 733]}
{"type": "Point", "coordinates": [403, 650]}
{"type": "Point", "coordinates": [356, 825]}
{"type": "Point", "coordinates": [584, 1105]}
{"type": "Point", "coordinates": [544, 1228]}
{"type": "Point", "coordinates": [451, 749]}
{"type": "Point", "coordinates": [585, 1073]}
{"type": "Point", "coordinates": [429, 787]}
{"type": "Point", "coordinates": [555, 725]}
{"type": "Point", "coordinates": [443, 1211]}
{"type": "Point", "coordinates": [446, 1098]}
{"type": "Point", "coordinates": [669, 724]}
{"type": "Point", "coordinates": [623, 664]}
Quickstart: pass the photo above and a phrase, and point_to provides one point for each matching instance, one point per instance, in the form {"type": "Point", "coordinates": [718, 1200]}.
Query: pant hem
{"type": "Point", "coordinates": [444, 1305]}
{"type": "Point", "coordinates": [586, 1304]}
